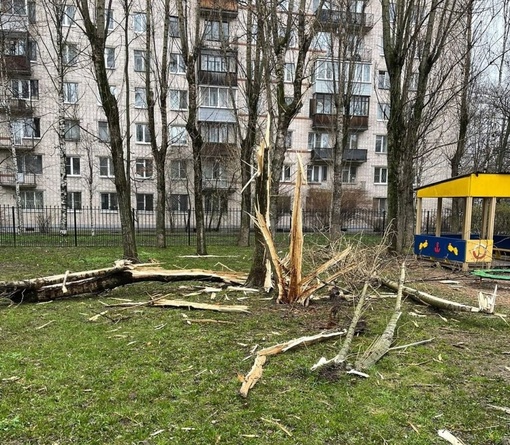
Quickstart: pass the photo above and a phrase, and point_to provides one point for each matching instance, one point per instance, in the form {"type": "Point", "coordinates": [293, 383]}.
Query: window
{"type": "Point", "coordinates": [14, 46]}
{"type": "Point", "coordinates": [139, 22]}
{"type": "Point", "coordinates": [179, 203]}
{"type": "Point", "coordinates": [217, 97]}
{"type": "Point", "coordinates": [142, 132]}
{"type": "Point", "coordinates": [326, 70]}
{"type": "Point", "coordinates": [109, 201]}
{"type": "Point", "coordinates": [109, 21]}
{"type": "Point", "coordinates": [216, 203]}
{"type": "Point", "coordinates": [31, 199]}
{"type": "Point", "coordinates": [383, 80]}
{"type": "Point", "coordinates": [145, 202]}
{"type": "Point", "coordinates": [393, 11]}
{"type": "Point", "coordinates": [178, 99]}
{"type": "Point", "coordinates": [383, 111]}
{"type": "Point", "coordinates": [322, 42]}
{"type": "Point", "coordinates": [380, 175]}
{"type": "Point", "coordinates": [140, 98]}
{"type": "Point", "coordinates": [32, 128]}
{"type": "Point", "coordinates": [215, 30]}
{"type": "Point", "coordinates": [318, 140]}
{"type": "Point", "coordinates": [109, 58]}
{"type": "Point", "coordinates": [289, 72]}
{"type": "Point", "coordinates": [353, 139]}
{"type": "Point", "coordinates": [217, 63]}
{"type": "Point", "coordinates": [103, 132]}
{"type": "Point", "coordinates": [413, 82]}
{"type": "Point", "coordinates": [178, 169]}
{"type": "Point", "coordinates": [178, 135]}
{"type": "Point", "coordinates": [72, 165]}
{"type": "Point", "coordinates": [30, 164]}
{"type": "Point", "coordinates": [72, 130]}
{"type": "Point", "coordinates": [15, 7]}
{"type": "Point", "coordinates": [349, 174]}
{"type": "Point", "coordinates": [324, 104]}
{"type": "Point", "coordinates": [359, 105]}
{"type": "Point", "coordinates": [25, 89]}
{"type": "Point", "coordinates": [213, 170]}
{"type": "Point", "coordinates": [220, 134]}
{"type": "Point", "coordinates": [70, 92]}
{"type": "Point", "coordinates": [381, 144]}
{"type": "Point", "coordinates": [177, 65]}
{"type": "Point", "coordinates": [139, 59]}
{"type": "Point", "coordinates": [286, 173]}
{"type": "Point", "coordinates": [144, 168]}
{"type": "Point", "coordinates": [362, 72]}
{"type": "Point", "coordinates": [113, 91]}
{"type": "Point", "coordinates": [380, 204]}
{"type": "Point", "coordinates": [317, 173]}
{"type": "Point", "coordinates": [32, 50]}
{"type": "Point", "coordinates": [106, 167]}
{"type": "Point", "coordinates": [70, 54]}
{"type": "Point", "coordinates": [174, 27]}
{"type": "Point", "coordinates": [74, 201]}
{"type": "Point", "coordinates": [69, 15]}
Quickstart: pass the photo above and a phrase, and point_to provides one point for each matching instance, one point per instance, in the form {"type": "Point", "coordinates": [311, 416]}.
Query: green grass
{"type": "Point", "coordinates": [145, 376]}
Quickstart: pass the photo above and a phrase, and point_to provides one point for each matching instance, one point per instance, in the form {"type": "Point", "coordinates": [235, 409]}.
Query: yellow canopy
{"type": "Point", "coordinates": [479, 185]}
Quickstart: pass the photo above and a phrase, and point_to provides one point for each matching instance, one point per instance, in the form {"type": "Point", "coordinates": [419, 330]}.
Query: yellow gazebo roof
{"type": "Point", "coordinates": [479, 185]}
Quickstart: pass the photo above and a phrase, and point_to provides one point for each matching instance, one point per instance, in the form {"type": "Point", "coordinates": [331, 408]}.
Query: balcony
{"type": "Point", "coordinates": [25, 180]}
{"type": "Point", "coordinates": [13, 23]}
{"type": "Point", "coordinates": [355, 155]}
{"type": "Point", "coordinates": [218, 149]}
{"type": "Point", "coordinates": [218, 115]}
{"type": "Point", "coordinates": [215, 184]}
{"type": "Point", "coordinates": [333, 19]}
{"type": "Point", "coordinates": [217, 78]}
{"type": "Point", "coordinates": [359, 123]}
{"type": "Point", "coordinates": [361, 55]}
{"type": "Point", "coordinates": [19, 65]}
{"type": "Point", "coordinates": [322, 154]}
{"type": "Point", "coordinates": [16, 107]}
{"type": "Point", "coordinates": [221, 8]}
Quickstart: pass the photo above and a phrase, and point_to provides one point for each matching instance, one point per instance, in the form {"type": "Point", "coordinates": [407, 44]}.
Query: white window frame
{"type": "Point", "coordinates": [113, 202]}
{"type": "Point", "coordinates": [25, 89]}
{"type": "Point", "coordinates": [383, 111]}
{"type": "Point", "coordinates": [72, 201]}
{"type": "Point", "coordinates": [178, 135]}
{"type": "Point", "coordinates": [139, 57]}
{"type": "Point", "coordinates": [317, 173]}
{"type": "Point", "coordinates": [143, 199]}
{"type": "Point", "coordinates": [144, 168]}
{"type": "Point", "coordinates": [72, 130]}
{"type": "Point", "coordinates": [289, 72]}
{"type": "Point", "coordinates": [139, 22]}
{"type": "Point", "coordinates": [140, 97]}
{"type": "Point", "coordinates": [383, 80]}
{"type": "Point", "coordinates": [216, 97]}
{"type": "Point", "coordinates": [178, 99]}
{"type": "Point", "coordinates": [142, 133]}
{"type": "Point", "coordinates": [381, 143]}
{"type": "Point", "coordinates": [109, 18]}
{"type": "Point", "coordinates": [177, 200]}
{"type": "Point", "coordinates": [103, 131]}
{"type": "Point", "coordinates": [178, 169]}
{"type": "Point", "coordinates": [70, 92]}
{"type": "Point", "coordinates": [69, 15]}
{"type": "Point", "coordinates": [109, 57]}
{"type": "Point", "coordinates": [177, 65]}
{"type": "Point", "coordinates": [381, 175]}
{"type": "Point", "coordinates": [106, 164]}
{"type": "Point", "coordinates": [216, 30]}
{"type": "Point", "coordinates": [73, 167]}
{"type": "Point", "coordinates": [31, 199]}
{"type": "Point", "coordinates": [70, 54]}
{"type": "Point", "coordinates": [286, 173]}
{"type": "Point", "coordinates": [349, 173]}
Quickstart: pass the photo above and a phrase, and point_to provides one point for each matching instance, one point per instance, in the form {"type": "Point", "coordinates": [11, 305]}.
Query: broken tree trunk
{"type": "Point", "coordinates": [95, 281]}
{"type": "Point", "coordinates": [164, 302]}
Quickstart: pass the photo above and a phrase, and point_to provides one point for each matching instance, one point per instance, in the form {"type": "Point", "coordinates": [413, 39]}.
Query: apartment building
{"type": "Point", "coordinates": [30, 106]}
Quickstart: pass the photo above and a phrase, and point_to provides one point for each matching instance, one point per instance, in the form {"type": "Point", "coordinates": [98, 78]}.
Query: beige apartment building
{"type": "Point", "coordinates": [30, 106]}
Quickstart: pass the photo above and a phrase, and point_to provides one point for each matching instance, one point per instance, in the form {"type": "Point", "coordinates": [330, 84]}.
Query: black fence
{"type": "Point", "coordinates": [95, 227]}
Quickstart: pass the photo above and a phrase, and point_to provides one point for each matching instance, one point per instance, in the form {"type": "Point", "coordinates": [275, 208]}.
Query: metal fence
{"type": "Point", "coordinates": [100, 228]}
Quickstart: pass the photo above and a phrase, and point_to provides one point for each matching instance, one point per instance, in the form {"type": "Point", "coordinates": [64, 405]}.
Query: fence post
{"type": "Point", "coordinates": [428, 217]}
{"type": "Point", "coordinates": [75, 229]}
{"type": "Point", "coordinates": [383, 221]}
{"type": "Point", "coordinates": [14, 225]}
{"type": "Point", "coordinates": [189, 227]}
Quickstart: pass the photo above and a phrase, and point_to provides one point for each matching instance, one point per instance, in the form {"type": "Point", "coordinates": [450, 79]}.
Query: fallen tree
{"type": "Point", "coordinates": [95, 281]}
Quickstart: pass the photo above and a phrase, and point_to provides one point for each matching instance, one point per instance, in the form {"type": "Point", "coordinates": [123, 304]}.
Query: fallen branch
{"type": "Point", "coordinates": [381, 346]}
{"type": "Point", "coordinates": [417, 343]}
{"type": "Point", "coordinates": [302, 341]}
{"type": "Point", "coordinates": [449, 437]}
{"type": "Point", "coordinates": [207, 320]}
{"type": "Point", "coordinates": [253, 376]}
{"type": "Point", "coordinates": [163, 302]}
{"type": "Point", "coordinates": [500, 408]}
{"type": "Point", "coordinates": [428, 299]}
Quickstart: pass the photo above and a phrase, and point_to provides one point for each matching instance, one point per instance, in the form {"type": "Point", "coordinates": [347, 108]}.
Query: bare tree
{"type": "Point", "coordinates": [416, 35]}
{"type": "Point", "coordinates": [95, 29]}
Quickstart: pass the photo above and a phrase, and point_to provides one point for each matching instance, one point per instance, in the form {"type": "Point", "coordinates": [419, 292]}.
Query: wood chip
{"type": "Point", "coordinates": [46, 324]}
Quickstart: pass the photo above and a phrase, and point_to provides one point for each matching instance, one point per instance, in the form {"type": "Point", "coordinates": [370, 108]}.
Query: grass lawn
{"type": "Point", "coordinates": [148, 376]}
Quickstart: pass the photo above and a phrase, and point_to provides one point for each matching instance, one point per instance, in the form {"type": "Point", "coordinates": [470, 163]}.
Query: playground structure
{"type": "Point", "coordinates": [466, 248]}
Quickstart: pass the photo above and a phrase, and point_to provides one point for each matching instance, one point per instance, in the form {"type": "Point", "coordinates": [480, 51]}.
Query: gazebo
{"type": "Point", "coordinates": [465, 248]}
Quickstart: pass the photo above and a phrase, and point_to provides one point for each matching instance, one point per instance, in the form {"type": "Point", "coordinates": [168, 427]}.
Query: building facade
{"type": "Point", "coordinates": [36, 101]}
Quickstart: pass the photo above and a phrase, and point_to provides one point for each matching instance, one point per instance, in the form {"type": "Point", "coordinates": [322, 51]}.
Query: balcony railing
{"type": "Point", "coordinates": [355, 155]}
{"type": "Point", "coordinates": [218, 149]}
{"type": "Point", "coordinates": [19, 65]}
{"type": "Point", "coordinates": [217, 78]}
{"type": "Point", "coordinates": [324, 154]}
{"type": "Point", "coordinates": [216, 184]}
{"type": "Point", "coordinates": [220, 7]}
{"type": "Point", "coordinates": [16, 107]}
{"type": "Point", "coordinates": [25, 180]}
{"type": "Point", "coordinates": [335, 18]}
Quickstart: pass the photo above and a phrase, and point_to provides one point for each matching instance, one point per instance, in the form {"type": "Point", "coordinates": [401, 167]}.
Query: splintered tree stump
{"type": "Point", "coordinates": [96, 281]}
